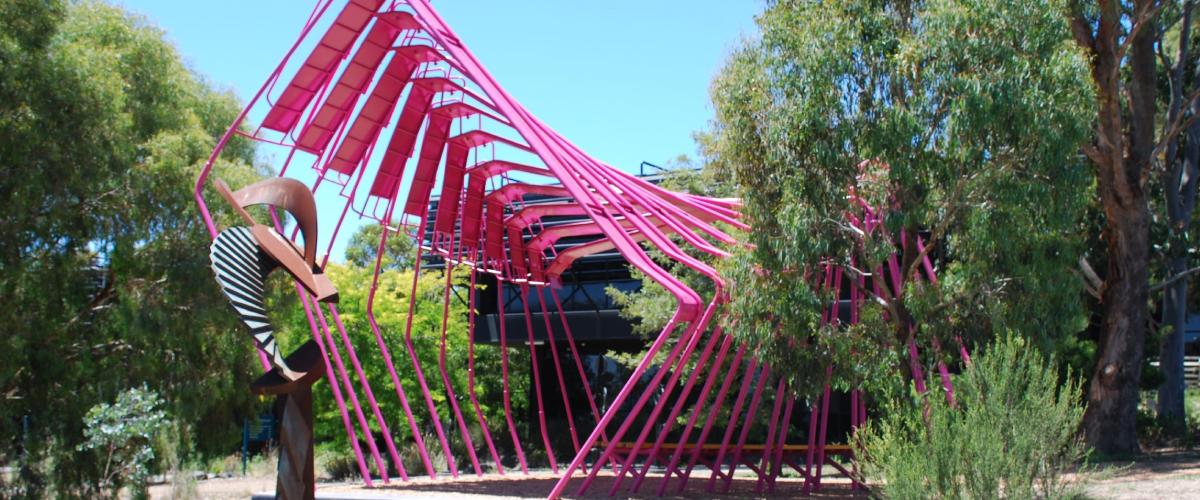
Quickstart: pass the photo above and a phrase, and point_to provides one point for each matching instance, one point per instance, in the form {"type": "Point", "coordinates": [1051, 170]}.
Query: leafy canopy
{"type": "Point", "coordinates": [969, 114]}
{"type": "Point", "coordinates": [103, 265]}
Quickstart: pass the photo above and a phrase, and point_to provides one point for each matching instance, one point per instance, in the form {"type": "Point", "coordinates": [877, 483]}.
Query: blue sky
{"type": "Point", "coordinates": [626, 80]}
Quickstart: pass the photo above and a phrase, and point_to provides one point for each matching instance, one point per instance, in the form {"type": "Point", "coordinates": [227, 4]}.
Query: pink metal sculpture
{"type": "Point", "coordinates": [393, 76]}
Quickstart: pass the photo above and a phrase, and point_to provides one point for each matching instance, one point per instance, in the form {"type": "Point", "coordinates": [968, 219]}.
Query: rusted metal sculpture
{"type": "Point", "coordinates": [242, 258]}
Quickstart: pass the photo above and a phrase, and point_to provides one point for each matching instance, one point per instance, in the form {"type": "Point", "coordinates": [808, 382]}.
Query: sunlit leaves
{"type": "Point", "coordinates": [960, 119]}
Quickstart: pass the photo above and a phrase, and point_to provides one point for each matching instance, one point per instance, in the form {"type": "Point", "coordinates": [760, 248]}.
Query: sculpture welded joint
{"type": "Point", "coordinates": [385, 75]}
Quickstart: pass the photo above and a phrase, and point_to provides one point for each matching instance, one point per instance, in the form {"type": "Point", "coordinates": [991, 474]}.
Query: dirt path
{"type": "Point", "coordinates": [1157, 476]}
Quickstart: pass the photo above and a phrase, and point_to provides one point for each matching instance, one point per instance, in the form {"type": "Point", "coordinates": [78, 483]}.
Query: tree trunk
{"type": "Point", "coordinates": [1110, 420]}
{"type": "Point", "coordinates": [1179, 187]}
{"type": "Point", "coordinates": [1121, 153]}
{"type": "Point", "coordinates": [1170, 357]}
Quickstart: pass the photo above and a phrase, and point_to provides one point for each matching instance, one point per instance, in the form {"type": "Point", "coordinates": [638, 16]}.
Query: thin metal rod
{"type": "Point", "coordinates": [512, 427]}
{"type": "Point", "coordinates": [537, 381]}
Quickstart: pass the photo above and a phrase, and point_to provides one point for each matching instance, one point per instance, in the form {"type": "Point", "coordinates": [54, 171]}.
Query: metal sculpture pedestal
{"type": "Point", "coordinates": [296, 478]}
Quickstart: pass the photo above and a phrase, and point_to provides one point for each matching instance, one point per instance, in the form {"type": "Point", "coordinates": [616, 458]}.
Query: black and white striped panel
{"type": "Point", "coordinates": [241, 267]}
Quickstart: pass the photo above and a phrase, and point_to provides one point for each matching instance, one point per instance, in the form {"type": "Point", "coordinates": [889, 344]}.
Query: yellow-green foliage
{"type": "Point", "coordinates": [1010, 434]}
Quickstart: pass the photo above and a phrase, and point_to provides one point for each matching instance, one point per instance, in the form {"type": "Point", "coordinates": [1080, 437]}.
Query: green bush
{"type": "Point", "coordinates": [122, 436]}
{"type": "Point", "coordinates": [1011, 433]}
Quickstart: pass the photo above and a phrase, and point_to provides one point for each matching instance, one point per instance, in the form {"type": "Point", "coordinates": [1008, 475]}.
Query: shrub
{"type": "Point", "coordinates": [1011, 433]}
{"type": "Point", "coordinates": [122, 436]}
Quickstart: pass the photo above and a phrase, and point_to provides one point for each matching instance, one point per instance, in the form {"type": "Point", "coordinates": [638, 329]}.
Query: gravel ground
{"type": "Point", "coordinates": [536, 485]}
{"type": "Point", "coordinates": [1162, 475]}
{"type": "Point", "coordinates": [1159, 476]}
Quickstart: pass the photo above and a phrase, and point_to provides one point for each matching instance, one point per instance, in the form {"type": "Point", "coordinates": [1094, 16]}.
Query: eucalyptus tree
{"type": "Point", "coordinates": [104, 277]}
{"type": "Point", "coordinates": [1177, 173]}
{"type": "Point", "coordinates": [962, 121]}
{"type": "Point", "coordinates": [1135, 141]}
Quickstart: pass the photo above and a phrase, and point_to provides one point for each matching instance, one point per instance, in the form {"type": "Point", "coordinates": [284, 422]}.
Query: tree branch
{"type": "Point", "coordinates": [1174, 279]}
{"type": "Point", "coordinates": [936, 235]}
{"type": "Point", "coordinates": [1149, 10]}
{"type": "Point", "coordinates": [1171, 130]}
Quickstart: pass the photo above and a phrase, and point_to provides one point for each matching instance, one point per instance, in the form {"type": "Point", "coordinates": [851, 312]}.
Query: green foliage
{"type": "Point", "coordinates": [364, 246]}
{"type": "Point", "coordinates": [121, 436]}
{"type": "Point", "coordinates": [1010, 434]}
{"type": "Point", "coordinates": [103, 261]}
{"type": "Point", "coordinates": [970, 113]}
{"type": "Point", "coordinates": [391, 311]}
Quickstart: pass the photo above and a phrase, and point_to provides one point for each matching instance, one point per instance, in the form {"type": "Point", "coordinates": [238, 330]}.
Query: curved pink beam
{"type": "Point", "coordinates": [513, 192]}
{"type": "Point", "coordinates": [475, 138]}
{"type": "Point", "coordinates": [460, 109]}
{"type": "Point", "coordinates": [532, 214]}
{"type": "Point", "coordinates": [471, 218]}
{"type": "Point", "coordinates": [557, 158]}
{"type": "Point", "coordinates": [690, 213]}
{"type": "Point", "coordinates": [492, 168]}
{"type": "Point", "coordinates": [618, 244]}
{"type": "Point", "coordinates": [565, 258]}
{"type": "Point", "coordinates": [549, 236]}
{"type": "Point", "coordinates": [539, 140]}
{"type": "Point", "coordinates": [585, 163]}
{"type": "Point", "coordinates": [707, 209]}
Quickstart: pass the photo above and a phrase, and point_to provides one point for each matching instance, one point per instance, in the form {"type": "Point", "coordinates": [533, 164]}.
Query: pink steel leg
{"type": "Point", "coordinates": [587, 388]}
{"type": "Point", "coordinates": [349, 388]}
{"type": "Point", "coordinates": [690, 338]}
{"type": "Point", "coordinates": [811, 450]}
{"type": "Point", "coordinates": [537, 381]}
{"type": "Point", "coordinates": [780, 447]}
{"type": "Point", "coordinates": [771, 426]}
{"type": "Point", "coordinates": [337, 393]}
{"type": "Point", "coordinates": [680, 401]}
{"type": "Point", "coordinates": [854, 423]}
{"type": "Point", "coordinates": [362, 377]}
{"type": "Point", "coordinates": [914, 365]}
{"type": "Point", "coordinates": [749, 422]}
{"type": "Point", "coordinates": [483, 425]}
{"type": "Point", "coordinates": [416, 363]}
{"type": "Point", "coordinates": [722, 393]}
{"type": "Point", "coordinates": [714, 373]}
{"type": "Point", "coordinates": [747, 380]}
{"type": "Point", "coordinates": [387, 356]}
{"type": "Point", "coordinates": [676, 372]}
{"type": "Point", "coordinates": [450, 396]}
{"type": "Point", "coordinates": [562, 387]}
{"type": "Point", "coordinates": [512, 427]}
{"type": "Point", "coordinates": [824, 425]}
{"type": "Point", "coordinates": [629, 387]}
